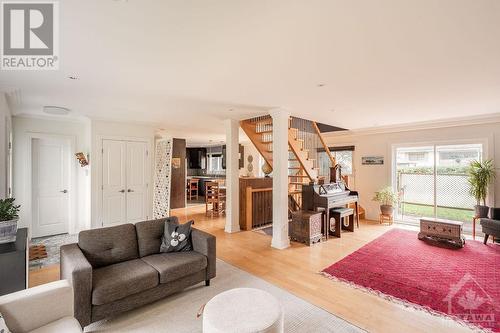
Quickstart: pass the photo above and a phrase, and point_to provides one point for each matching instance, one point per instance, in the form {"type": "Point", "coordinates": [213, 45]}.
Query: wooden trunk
{"type": "Point", "coordinates": [306, 227]}
{"type": "Point", "coordinates": [442, 230]}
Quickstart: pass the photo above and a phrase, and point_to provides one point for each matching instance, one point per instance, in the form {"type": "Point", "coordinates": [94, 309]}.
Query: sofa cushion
{"type": "Point", "coordinates": [120, 280]}
{"type": "Point", "coordinates": [177, 237]}
{"type": "Point", "coordinates": [175, 265]}
{"type": "Point", "coordinates": [66, 325]}
{"type": "Point", "coordinates": [149, 234]}
{"type": "Point", "coordinates": [107, 246]}
{"type": "Point", "coordinates": [491, 224]}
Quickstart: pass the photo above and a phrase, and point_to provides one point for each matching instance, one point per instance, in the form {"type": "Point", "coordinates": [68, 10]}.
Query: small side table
{"type": "Point", "coordinates": [474, 219]}
{"type": "Point", "coordinates": [386, 217]}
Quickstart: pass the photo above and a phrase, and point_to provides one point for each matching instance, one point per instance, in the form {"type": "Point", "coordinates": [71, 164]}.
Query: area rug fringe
{"type": "Point", "coordinates": [474, 328]}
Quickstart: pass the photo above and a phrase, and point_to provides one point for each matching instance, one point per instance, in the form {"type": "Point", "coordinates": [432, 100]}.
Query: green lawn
{"type": "Point", "coordinates": [443, 213]}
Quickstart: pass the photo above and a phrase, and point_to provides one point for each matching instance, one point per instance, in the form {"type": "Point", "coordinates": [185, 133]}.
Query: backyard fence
{"type": "Point", "coordinates": [452, 190]}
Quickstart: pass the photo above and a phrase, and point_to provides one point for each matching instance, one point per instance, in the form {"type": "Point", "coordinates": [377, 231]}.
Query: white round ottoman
{"type": "Point", "coordinates": [243, 310]}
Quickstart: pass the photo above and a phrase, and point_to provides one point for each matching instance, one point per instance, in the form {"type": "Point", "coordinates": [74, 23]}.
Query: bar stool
{"type": "Point", "coordinates": [192, 188]}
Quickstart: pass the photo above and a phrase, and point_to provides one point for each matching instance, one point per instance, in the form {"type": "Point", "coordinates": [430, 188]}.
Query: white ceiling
{"type": "Point", "coordinates": [186, 65]}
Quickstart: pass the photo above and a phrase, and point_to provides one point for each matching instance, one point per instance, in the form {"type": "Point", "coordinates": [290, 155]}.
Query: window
{"type": "Point", "coordinates": [215, 163]}
{"type": "Point", "coordinates": [432, 181]}
{"type": "Point", "coordinates": [417, 156]}
{"type": "Point", "coordinates": [343, 156]}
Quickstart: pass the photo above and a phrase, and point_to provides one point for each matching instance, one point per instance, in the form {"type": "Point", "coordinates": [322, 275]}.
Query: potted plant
{"type": "Point", "coordinates": [8, 220]}
{"type": "Point", "coordinates": [480, 174]}
{"type": "Point", "coordinates": [387, 199]}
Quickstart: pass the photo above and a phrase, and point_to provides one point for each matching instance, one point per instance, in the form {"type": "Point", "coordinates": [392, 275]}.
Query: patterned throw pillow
{"type": "Point", "coordinates": [3, 325]}
{"type": "Point", "coordinates": [177, 237]}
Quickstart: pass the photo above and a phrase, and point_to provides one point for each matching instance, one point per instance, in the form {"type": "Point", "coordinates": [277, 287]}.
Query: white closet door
{"type": "Point", "coordinates": [137, 181]}
{"type": "Point", "coordinates": [114, 182]}
{"type": "Point", "coordinates": [50, 186]}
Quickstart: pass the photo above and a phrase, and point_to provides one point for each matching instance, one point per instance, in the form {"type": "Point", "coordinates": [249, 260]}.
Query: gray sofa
{"type": "Point", "coordinates": [119, 268]}
{"type": "Point", "coordinates": [490, 228]}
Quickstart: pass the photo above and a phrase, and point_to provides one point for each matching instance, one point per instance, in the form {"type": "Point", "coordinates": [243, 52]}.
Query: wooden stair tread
{"type": "Point", "coordinates": [295, 168]}
{"type": "Point", "coordinates": [267, 121]}
{"type": "Point", "coordinates": [264, 132]}
{"type": "Point", "coordinates": [298, 183]}
{"type": "Point", "coordinates": [294, 192]}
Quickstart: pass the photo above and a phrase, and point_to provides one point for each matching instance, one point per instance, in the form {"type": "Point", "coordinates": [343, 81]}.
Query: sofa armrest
{"type": "Point", "coordinates": [77, 270]}
{"type": "Point", "coordinates": [205, 243]}
{"type": "Point", "coordinates": [35, 307]}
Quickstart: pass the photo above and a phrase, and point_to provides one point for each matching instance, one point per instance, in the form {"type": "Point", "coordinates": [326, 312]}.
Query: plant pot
{"type": "Point", "coordinates": [481, 211]}
{"type": "Point", "coordinates": [8, 231]}
{"type": "Point", "coordinates": [386, 209]}
{"type": "Point", "coordinates": [495, 213]}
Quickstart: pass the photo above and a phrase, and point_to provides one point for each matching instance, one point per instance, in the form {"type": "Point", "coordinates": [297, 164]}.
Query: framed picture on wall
{"type": "Point", "coordinates": [176, 162]}
{"type": "Point", "coordinates": [372, 160]}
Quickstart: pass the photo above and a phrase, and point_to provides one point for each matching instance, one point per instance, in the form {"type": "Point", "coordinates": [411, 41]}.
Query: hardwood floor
{"type": "Point", "coordinates": [296, 270]}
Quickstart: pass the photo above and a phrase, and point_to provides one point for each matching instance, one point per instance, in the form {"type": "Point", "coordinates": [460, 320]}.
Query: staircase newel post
{"type": "Point", "coordinates": [280, 178]}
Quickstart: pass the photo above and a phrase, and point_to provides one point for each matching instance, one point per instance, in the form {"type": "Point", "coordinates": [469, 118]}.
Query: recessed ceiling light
{"type": "Point", "coordinates": [73, 77]}
{"type": "Point", "coordinates": [56, 110]}
{"type": "Point", "coordinates": [320, 85]}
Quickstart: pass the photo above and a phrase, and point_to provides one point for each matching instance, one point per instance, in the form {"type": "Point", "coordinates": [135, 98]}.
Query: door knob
{"type": "Point", "coordinates": [129, 190]}
{"type": "Point", "coordinates": [122, 191]}
{"type": "Point", "coordinates": [64, 191]}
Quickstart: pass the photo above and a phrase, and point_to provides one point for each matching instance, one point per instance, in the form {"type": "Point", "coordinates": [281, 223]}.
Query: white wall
{"type": "Point", "coordinates": [23, 127]}
{"type": "Point", "coordinates": [258, 160]}
{"type": "Point", "coordinates": [370, 178]}
{"type": "Point", "coordinates": [5, 123]}
{"type": "Point", "coordinates": [100, 130]}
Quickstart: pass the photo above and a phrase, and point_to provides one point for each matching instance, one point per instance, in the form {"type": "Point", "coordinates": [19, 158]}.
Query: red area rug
{"type": "Point", "coordinates": [463, 284]}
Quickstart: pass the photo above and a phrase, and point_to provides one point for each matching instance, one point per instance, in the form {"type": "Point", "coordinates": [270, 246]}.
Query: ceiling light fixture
{"type": "Point", "coordinates": [56, 110]}
{"type": "Point", "coordinates": [73, 77]}
{"type": "Point", "coordinates": [320, 85]}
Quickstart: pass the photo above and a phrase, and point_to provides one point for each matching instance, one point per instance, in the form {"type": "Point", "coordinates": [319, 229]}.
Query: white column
{"type": "Point", "coordinates": [232, 175]}
{"type": "Point", "coordinates": [280, 179]}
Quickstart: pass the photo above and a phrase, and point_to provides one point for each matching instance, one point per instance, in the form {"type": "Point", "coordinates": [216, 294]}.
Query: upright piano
{"type": "Point", "coordinates": [328, 196]}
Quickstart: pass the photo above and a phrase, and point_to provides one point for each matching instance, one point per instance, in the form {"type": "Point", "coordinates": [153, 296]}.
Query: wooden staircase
{"type": "Point", "coordinates": [302, 161]}
{"type": "Point", "coordinates": [302, 168]}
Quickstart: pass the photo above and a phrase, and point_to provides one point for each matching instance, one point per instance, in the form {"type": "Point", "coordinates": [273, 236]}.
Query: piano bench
{"type": "Point", "coordinates": [343, 219]}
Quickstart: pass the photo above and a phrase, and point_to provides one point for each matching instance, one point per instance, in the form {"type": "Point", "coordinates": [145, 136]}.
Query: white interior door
{"type": "Point", "coordinates": [114, 206]}
{"type": "Point", "coordinates": [137, 181]}
{"type": "Point", "coordinates": [50, 186]}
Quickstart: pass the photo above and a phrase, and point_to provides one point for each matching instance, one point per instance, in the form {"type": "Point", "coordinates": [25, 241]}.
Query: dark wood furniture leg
{"type": "Point", "coordinates": [486, 238]}
{"type": "Point", "coordinates": [357, 213]}
{"type": "Point", "coordinates": [350, 225]}
{"type": "Point", "coordinates": [327, 223]}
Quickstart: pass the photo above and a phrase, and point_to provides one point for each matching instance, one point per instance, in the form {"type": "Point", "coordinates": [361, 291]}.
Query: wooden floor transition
{"type": "Point", "coordinates": [296, 270]}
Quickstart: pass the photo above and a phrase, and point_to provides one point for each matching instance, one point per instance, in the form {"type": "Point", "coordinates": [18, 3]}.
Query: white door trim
{"type": "Point", "coordinates": [97, 187]}
{"type": "Point", "coordinates": [72, 228]}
